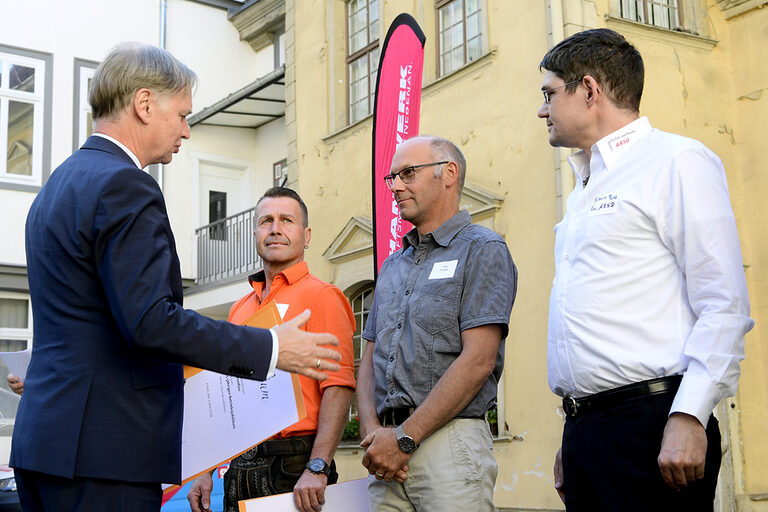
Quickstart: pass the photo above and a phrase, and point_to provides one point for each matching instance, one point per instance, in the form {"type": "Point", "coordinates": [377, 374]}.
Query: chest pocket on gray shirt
{"type": "Point", "coordinates": [438, 305]}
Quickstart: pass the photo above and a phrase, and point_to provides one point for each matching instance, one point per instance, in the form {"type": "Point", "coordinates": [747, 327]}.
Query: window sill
{"type": "Point", "coordinates": [20, 186]}
{"type": "Point", "coordinates": [363, 124]}
{"type": "Point", "coordinates": [457, 74]}
{"type": "Point", "coordinates": [637, 28]}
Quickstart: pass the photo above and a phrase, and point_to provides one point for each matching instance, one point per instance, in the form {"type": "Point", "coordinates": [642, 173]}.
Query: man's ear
{"type": "Point", "coordinates": [450, 173]}
{"type": "Point", "coordinates": [593, 89]}
{"type": "Point", "coordinates": [142, 104]}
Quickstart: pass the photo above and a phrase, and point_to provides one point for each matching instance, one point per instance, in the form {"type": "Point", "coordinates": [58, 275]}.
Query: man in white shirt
{"type": "Point", "coordinates": [649, 304]}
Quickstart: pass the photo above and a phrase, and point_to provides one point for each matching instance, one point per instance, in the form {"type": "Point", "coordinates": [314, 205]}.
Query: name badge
{"type": "Point", "coordinates": [443, 269]}
{"type": "Point", "coordinates": [603, 204]}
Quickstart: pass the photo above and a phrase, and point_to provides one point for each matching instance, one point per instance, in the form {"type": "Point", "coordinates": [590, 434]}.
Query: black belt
{"type": "Point", "coordinates": [296, 445]}
{"type": "Point", "coordinates": [395, 417]}
{"type": "Point", "coordinates": [577, 406]}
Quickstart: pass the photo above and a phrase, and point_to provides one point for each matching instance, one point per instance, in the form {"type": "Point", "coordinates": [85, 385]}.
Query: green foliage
{"type": "Point", "coordinates": [351, 429]}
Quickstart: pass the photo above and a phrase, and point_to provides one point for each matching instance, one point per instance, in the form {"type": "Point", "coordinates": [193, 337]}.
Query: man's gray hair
{"type": "Point", "coordinates": [443, 149]}
{"type": "Point", "coordinates": [130, 67]}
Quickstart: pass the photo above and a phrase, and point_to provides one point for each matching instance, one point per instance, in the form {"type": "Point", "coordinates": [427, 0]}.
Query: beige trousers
{"type": "Point", "coordinates": [452, 470]}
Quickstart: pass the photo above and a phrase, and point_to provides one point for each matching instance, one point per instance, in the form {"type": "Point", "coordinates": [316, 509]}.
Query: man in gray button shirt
{"type": "Point", "coordinates": [435, 348]}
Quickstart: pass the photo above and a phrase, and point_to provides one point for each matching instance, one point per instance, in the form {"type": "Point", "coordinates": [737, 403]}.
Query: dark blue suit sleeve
{"type": "Point", "coordinates": [136, 259]}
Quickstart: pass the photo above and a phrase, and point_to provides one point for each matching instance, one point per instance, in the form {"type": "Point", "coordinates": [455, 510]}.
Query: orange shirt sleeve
{"type": "Point", "coordinates": [332, 313]}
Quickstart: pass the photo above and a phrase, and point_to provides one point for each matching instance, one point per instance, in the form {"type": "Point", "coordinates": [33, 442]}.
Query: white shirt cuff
{"type": "Point", "coordinates": [275, 350]}
{"type": "Point", "coordinates": [697, 396]}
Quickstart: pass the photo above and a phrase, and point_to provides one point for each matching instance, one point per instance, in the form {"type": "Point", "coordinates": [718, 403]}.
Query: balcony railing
{"type": "Point", "coordinates": [226, 248]}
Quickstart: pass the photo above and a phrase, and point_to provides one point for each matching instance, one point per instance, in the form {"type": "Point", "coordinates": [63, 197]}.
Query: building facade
{"type": "Point", "coordinates": [285, 97]}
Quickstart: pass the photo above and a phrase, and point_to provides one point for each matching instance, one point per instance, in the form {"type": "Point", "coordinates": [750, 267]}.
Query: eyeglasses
{"type": "Point", "coordinates": [548, 92]}
{"type": "Point", "coordinates": [408, 174]}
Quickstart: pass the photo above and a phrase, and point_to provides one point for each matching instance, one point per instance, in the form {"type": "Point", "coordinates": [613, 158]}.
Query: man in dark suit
{"type": "Point", "coordinates": [99, 424]}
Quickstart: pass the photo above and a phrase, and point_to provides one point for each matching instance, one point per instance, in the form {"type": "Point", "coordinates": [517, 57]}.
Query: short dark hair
{"type": "Point", "coordinates": [287, 192]}
{"type": "Point", "coordinates": [604, 55]}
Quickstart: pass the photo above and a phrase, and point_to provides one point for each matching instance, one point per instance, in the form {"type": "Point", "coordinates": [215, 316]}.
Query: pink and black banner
{"type": "Point", "coordinates": [395, 120]}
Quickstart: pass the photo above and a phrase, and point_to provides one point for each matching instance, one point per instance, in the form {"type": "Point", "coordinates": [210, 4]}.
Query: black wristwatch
{"type": "Point", "coordinates": [319, 467]}
{"type": "Point", "coordinates": [404, 441]}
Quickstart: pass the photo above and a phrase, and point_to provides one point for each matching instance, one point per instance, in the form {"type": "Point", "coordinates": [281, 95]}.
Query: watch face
{"type": "Point", "coordinates": [406, 444]}
{"type": "Point", "coordinates": [317, 465]}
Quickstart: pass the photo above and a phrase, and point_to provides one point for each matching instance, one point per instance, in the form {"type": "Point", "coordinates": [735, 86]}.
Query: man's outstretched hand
{"type": "Point", "coordinates": [303, 352]}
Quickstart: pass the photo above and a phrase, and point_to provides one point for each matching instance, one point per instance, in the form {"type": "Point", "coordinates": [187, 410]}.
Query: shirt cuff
{"type": "Point", "coordinates": [275, 350]}
{"type": "Point", "coordinates": [696, 396]}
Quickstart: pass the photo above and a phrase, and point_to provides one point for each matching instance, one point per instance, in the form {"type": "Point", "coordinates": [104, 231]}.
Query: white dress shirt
{"type": "Point", "coordinates": [649, 280]}
{"type": "Point", "coordinates": [275, 341]}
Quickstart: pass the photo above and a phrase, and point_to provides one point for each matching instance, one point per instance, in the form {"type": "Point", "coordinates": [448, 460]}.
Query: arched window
{"type": "Point", "coordinates": [360, 300]}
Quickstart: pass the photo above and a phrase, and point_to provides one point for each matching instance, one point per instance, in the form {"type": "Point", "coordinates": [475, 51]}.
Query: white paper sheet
{"type": "Point", "coordinates": [349, 496]}
{"type": "Point", "coordinates": [224, 416]}
{"type": "Point", "coordinates": [17, 362]}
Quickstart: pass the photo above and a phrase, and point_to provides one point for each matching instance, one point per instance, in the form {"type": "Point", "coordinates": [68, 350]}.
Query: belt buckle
{"type": "Point", "coordinates": [570, 406]}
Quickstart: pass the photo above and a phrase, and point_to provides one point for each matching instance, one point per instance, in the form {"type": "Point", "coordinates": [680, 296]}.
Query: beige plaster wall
{"type": "Point", "coordinates": [746, 37]}
{"type": "Point", "coordinates": [489, 109]}
{"type": "Point", "coordinates": [711, 87]}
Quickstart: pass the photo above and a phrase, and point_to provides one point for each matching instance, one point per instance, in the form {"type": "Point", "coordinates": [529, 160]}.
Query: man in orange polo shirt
{"type": "Point", "coordinates": [299, 458]}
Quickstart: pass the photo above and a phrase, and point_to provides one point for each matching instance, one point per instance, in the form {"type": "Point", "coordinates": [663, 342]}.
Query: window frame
{"type": "Point", "coordinates": [8, 333]}
{"type": "Point", "coordinates": [360, 291]}
{"type": "Point", "coordinates": [14, 332]}
{"type": "Point", "coordinates": [83, 70]}
{"type": "Point", "coordinates": [647, 9]}
{"type": "Point", "coordinates": [439, 4]}
{"type": "Point", "coordinates": [41, 99]}
{"type": "Point", "coordinates": [368, 50]}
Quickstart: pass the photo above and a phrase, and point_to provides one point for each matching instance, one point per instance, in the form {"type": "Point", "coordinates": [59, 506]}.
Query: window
{"type": "Point", "coordinates": [659, 13]}
{"type": "Point", "coordinates": [279, 45]}
{"type": "Point", "coordinates": [363, 56]}
{"type": "Point", "coordinates": [217, 212]}
{"type": "Point", "coordinates": [15, 334]}
{"type": "Point", "coordinates": [459, 35]}
{"type": "Point", "coordinates": [83, 121]}
{"type": "Point", "coordinates": [280, 173]}
{"type": "Point", "coordinates": [361, 305]}
{"type": "Point", "coordinates": [24, 107]}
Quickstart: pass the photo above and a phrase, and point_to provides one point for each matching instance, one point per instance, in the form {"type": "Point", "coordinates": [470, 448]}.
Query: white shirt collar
{"type": "Point", "coordinates": [609, 150]}
{"type": "Point", "coordinates": [613, 146]}
{"type": "Point", "coordinates": [121, 146]}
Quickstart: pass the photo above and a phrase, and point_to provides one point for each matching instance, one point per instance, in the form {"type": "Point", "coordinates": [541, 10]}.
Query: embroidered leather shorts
{"type": "Point", "coordinates": [273, 467]}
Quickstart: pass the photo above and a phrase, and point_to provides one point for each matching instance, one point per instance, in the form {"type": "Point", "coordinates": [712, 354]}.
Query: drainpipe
{"type": "Point", "coordinates": [161, 43]}
{"type": "Point", "coordinates": [163, 15]}
{"type": "Point", "coordinates": [563, 181]}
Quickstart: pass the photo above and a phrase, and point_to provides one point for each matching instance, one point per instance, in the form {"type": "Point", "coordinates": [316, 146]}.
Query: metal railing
{"type": "Point", "coordinates": [226, 248]}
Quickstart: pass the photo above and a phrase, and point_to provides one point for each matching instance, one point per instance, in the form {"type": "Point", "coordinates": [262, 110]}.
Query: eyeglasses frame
{"type": "Point", "coordinates": [389, 179]}
{"type": "Point", "coordinates": [548, 92]}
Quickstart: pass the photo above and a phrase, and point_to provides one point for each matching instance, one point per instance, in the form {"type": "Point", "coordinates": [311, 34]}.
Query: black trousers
{"type": "Point", "coordinates": [39, 492]}
{"type": "Point", "coordinates": [261, 471]}
{"type": "Point", "coordinates": [610, 461]}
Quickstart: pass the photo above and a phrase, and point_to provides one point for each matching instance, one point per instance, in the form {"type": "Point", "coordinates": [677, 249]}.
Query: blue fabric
{"type": "Point", "coordinates": [104, 389]}
{"type": "Point", "coordinates": [39, 492]}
